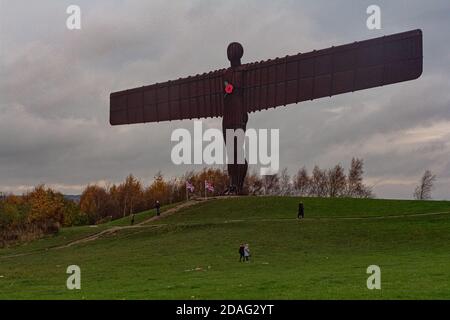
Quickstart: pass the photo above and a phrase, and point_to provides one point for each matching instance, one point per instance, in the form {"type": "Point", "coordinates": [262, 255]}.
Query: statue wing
{"type": "Point", "coordinates": [200, 96]}
{"type": "Point", "coordinates": [328, 72]}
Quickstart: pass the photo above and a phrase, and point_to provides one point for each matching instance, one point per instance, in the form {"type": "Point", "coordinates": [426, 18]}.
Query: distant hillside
{"type": "Point", "coordinates": [72, 197]}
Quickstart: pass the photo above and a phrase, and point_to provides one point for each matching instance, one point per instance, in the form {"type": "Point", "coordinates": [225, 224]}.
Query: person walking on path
{"type": "Point", "coordinates": [157, 206]}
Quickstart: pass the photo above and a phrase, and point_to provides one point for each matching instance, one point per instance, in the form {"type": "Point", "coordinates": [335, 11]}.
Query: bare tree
{"type": "Point", "coordinates": [423, 190]}
{"type": "Point", "coordinates": [318, 182]}
{"type": "Point", "coordinates": [366, 192]}
{"type": "Point", "coordinates": [285, 183]}
{"type": "Point", "coordinates": [337, 181]}
{"type": "Point", "coordinates": [254, 184]}
{"type": "Point", "coordinates": [271, 184]}
{"type": "Point", "coordinates": [355, 186]}
{"type": "Point", "coordinates": [302, 182]}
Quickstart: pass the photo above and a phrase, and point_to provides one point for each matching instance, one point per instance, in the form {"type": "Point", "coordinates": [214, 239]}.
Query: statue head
{"type": "Point", "coordinates": [235, 51]}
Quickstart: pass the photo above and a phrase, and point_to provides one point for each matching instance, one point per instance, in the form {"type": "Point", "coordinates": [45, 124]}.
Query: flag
{"type": "Point", "coordinates": [189, 186]}
{"type": "Point", "coordinates": [209, 186]}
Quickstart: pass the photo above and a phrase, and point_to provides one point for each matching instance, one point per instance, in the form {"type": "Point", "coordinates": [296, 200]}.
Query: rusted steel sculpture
{"type": "Point", "coordinates": [242, 88]}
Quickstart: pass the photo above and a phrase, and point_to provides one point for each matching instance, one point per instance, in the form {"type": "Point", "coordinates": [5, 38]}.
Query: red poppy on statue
{"type": "Point", "coordinates": [228, 87]}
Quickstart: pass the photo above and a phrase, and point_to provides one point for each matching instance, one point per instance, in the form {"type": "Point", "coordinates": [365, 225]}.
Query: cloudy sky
{"type": "Point", "coordinates": [55, 85]}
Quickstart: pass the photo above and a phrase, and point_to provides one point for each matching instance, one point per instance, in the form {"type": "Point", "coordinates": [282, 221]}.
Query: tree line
{"type": "Point", "coordinates": [332, 183]}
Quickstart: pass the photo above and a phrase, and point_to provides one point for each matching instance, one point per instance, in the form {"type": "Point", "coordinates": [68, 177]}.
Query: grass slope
{"type": "Point", "coordinates": [193, 254]}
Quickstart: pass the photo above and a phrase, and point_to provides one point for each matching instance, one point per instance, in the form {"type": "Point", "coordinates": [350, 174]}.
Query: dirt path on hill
{"type": "Point", "coordinates": [396, 216]}
{"type": "Point", "coordinates": [114, 230]}
{"type": "Point", "coordinates": [413, 215]}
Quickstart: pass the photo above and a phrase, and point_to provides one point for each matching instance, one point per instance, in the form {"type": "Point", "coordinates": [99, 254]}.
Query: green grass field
{"type": "Point", "coordinates": [192, 254]}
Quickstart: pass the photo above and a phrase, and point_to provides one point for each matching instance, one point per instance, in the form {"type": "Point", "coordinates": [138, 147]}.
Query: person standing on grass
{"type": "Point", "coordinates": [132, 219]}
{"type": "Point", "coordinates": [301, 211]}
{"type": "Point", "coordinates": [246, 252]}
{"type": "Point", "coordinates": [241, 253]}
{"type": "Point", "coordinates": [157, 206]}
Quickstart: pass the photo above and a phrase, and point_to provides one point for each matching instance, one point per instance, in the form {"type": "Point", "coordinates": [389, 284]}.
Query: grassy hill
{"type": "Point", "coordinates": [192, 254]}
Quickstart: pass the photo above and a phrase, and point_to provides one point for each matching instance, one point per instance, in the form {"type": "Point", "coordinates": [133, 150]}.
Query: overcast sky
{"type": "Point", "coordinates": [55, 85]}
